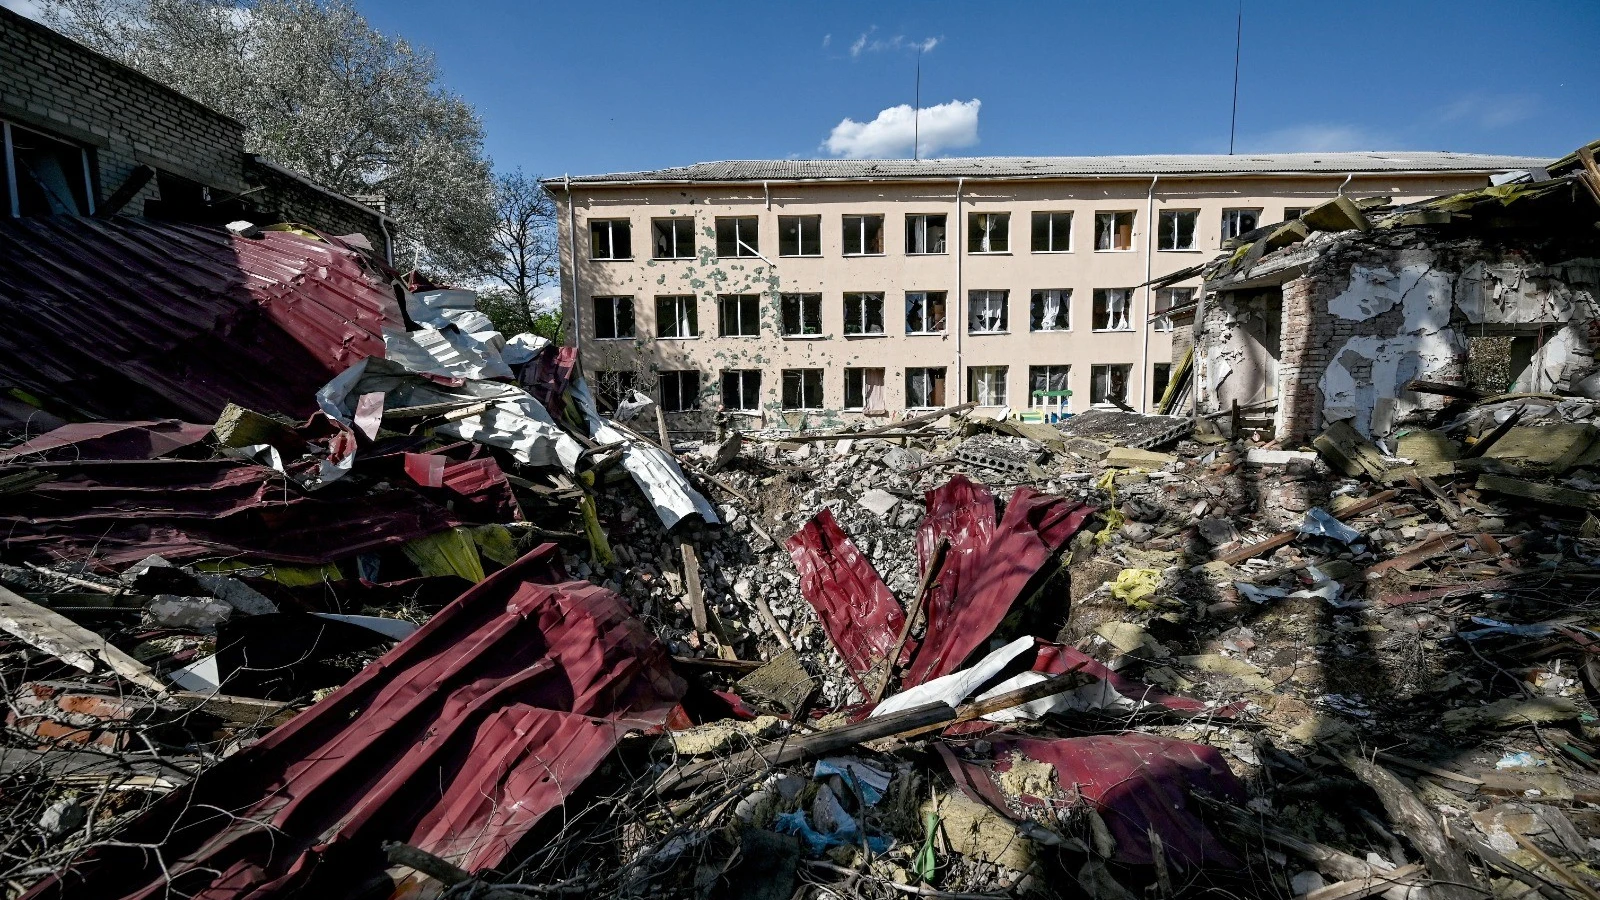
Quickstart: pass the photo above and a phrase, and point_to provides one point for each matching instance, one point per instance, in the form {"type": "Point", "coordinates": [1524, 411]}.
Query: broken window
{"type": "Point", "coordinates": [1291, 213]}
{"type": "Point", "coordinates": [863, 390]}
{"type": "Point", "coordinates": [1108, 384]}
{"type": "Point", "coordinates": [736, 236]}
{"type": "Point", "coordinates": [925, 388]}
{"type": "Point", "coordinates": [1047, 386]}
{"type": "Point", "coordinates": [986, 385]}
{"type": "Point", "coordinates": [677, 317]}
{"type": "Point", "coordinates": [988, 232]}
{"type": "Point", "coordinates": [799, 235]}
{"type": "Point", "coordinates": [1237, 221]}
{"type": "Point", "coordinates": [741, 390]}
{"type": "Point", "coordinates": [1177, 229]}
{"type": "Point", "coordinates": [802, 388]}
{"type": "Point", "coordinates": [1112, 309]}
{"type": "Point", "coordinates": [613, 387]}
{"type": "Point", "coordinates": [1050, 310]}
{"type": "Point", "coordinates": [613, 317]}
{"type": "Point", "coordinates": [610, 239]}
{"type": "Point", "coordinates": [739, 315]}
{"type": "Point", "coordinates": [1160, 377]}
{"type": "Point", "coordinates": [1052, 232]}
{"type": "Point", "coordinates": [863, 235]}
{"type": "Point", "coordinates": [1168, 298]}
{"type": "Point", "coordinates": [924, 312]}
{"type": "Point", "coordinates": [988, 312]}
{"type": "Point", "coordinates": [673, 238]}
{"type": "Point", "coordinates": [680, 390]}
{"type": "Point", "coordinates": [44, 176]}
{"type": "Point", "coordinates": [863, 314]}
{"type": "Point", "coordinates": [924, 234]}
{"type": "Point", "coordinates": [802, 314]}
{"type": "Point", "coordinates": [1113, 231]}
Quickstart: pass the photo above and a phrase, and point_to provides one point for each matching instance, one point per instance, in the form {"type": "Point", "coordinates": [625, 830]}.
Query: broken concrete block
{"type": "Point", "coordinates": [202, 614]}
{"type": "Point", "coordinates": [879, 501]}
{"type": "Point", "coordinates": [1259, 457]}
{"type": "Point", "coordinates": [978, 831]}
{"type": "Point", "coordinates": [728, 734]}
{"type": "Point", "coordinates": [62, 818]}
{"type": "Point", "coordinates": [1549, 450]}
{"type": "Point", "coordinates": [240, 427]}
{"type": "Point", "coordinates": [1129, 458]}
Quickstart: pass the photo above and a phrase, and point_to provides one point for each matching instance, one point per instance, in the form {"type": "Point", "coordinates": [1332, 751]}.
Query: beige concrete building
{"type": "Point", "coordinates": [819, 291]}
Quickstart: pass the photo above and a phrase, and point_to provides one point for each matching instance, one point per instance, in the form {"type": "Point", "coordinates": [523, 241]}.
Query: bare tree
{"type": "Point", "coordinates": [322, 92]}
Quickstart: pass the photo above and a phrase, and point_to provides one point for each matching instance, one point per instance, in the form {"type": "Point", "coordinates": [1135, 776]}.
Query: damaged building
{"type": "Point", "coordinates": [84, 135]}
{"type": "Point", "coordinates": [1375, 313]}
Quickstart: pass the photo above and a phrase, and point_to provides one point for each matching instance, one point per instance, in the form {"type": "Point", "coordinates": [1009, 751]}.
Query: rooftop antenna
{"type": "Point", "coordinates": [916, 109]}
{"type": "Point", "coordinates": [1238, 36]}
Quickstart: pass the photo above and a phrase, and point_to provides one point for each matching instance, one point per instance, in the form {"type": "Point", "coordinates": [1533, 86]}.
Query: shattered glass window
{"type": "Point", "coordinates": [672, 238]}
{"type": "Point", "coordinates": [1045, 383]}
{"type": "Point", "coordinates": [988, 232]}
{"type": "Point", "coordinates": [988, 312]}
{"type": "Point", "coordinates": [1113, 309]}
{"type": "Point", "coordinates": [613, 317]}
{"type": "Point", "coordinates": [677, 317]}
{"type": "Point", "coordinates": [610, 239]}
{"type": "Point", "coordinates": [863, 235]}
{"type": "Point", "coordinates": [741, 389]}
{"type": "Point", "coordinates": [802, 388]}
{"type": "Point", "coordinates": [802, 314]}
{"type": "Point", "coordinates": [680, 390]}
{"type": "Point", "coordinates": [924, 234]}
{"type": "Point", "coordinates": [737, 236]}
{"type": "Point", "coordinates": [986, 385]}
{"type": "Point", "coordinates": [799, 235]}
{"type": "Point", "coordinates": [1177, 229]}
{"type": "Point", "coordinates": [1050, 310]}
{"type": "Point", "coordinates": [1113, 231]}
{"type": "Point", "coordinates": [863, 314]}
{"type": "Point", "coordinates": [924, 312]}
{"type": "Point", "coordinates": [1238, 221]}
{"type": "Point", "coordinates": [925, 388]}
{"type": "Point", "coordinates": [739, 315]}
{"type": "Point", "coordinates": [1108, 384]}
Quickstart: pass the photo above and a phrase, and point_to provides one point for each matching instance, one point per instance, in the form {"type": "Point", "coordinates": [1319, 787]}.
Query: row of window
{"type": "Point", "coordinates": [679, 390]}
{"type": "Point", "coordinates": [864, 235]}
{"type": "Point", "coordinates": [800, 315]}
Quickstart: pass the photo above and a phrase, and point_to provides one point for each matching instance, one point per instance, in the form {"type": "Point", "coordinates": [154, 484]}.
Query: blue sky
{"type": "Point", "coordinates": [606, 86]}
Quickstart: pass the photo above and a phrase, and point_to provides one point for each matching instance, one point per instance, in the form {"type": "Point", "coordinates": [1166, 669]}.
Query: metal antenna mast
{"type": "Point", "coordinates": [916, 110]}
{"type": "Point", "coordinates": [1238, 36]}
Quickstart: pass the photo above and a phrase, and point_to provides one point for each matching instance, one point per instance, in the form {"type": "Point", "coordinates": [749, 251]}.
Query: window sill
{"type": "Point", "coordinates": [628, 338]}
{"type": "Point", "coordinates": [981, 333]}
{"type": "Point", "coordinates": [733, 258]}
{"type": "Point", "coordinates": [801, 409]}
{"type": "Point", "coordinates": [859, 255]}
{"type": "Point", "coordinates": [940, 253]}
{"type": "Point", "coordinates": [926, 334]}
{"type": "Point", "coordinates": [1050, 252]}
{"type": "Point", "coordinates": [1112, 330]}
{"type": "Point", "coordinates": [610, 259]}
{"type": "Point", "coordinates": [799, 255]}
{"type": "Point", "coordinates": [804, 337]}
{"type": "Point", "coordinates": [1116, 250]}
{"type": "Point", "coordinates": [1179, 250]}
{"type": "Point", "coordinates": [1050, 331]}
{"type": "Point", "coordinates": [693, 337]}
{"type": "Point", "coordinates": [988, 252]}
{"type": "Point", "coordinates": [868, 334]}
{"type": "Point", "coordinates": [673, 258]}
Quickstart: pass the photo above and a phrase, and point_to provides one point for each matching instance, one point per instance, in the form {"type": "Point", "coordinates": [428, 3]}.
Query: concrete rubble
{"type": "Point", "coordinates": [458, 634]}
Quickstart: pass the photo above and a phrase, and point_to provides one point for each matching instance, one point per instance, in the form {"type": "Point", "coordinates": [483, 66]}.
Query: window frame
{"type": "Point", "coordinates": [863, 298]}
{"type": "Point", "coordinates": [1194, 231]}
{"type": "Point", "coordinates": [1035, 296]}
{"type": "Point", "coordinates": [802, 374]}
{"type": "Point", "coordinates": [800, 299]}
{"type": "Point", "coordinates": [675, 220]}
{"type": "Point", "coordinates": [1231, 213]}
{"type": "Point", "coordinates": [859, 373]}
{"type": "Point", "coordinates": [739, 243]}
{"type": "Point", "coordinates": [616, 304]}
{"type": "Point", "coordinates": [1003, 373]}
{"type": "Point", "coordinates": [972, 232]}
{"type": "Point", "coordinates": [678, 377]}
{"type": "Point", "coordinates": [1297, 210]}
{"type": "Point", "coordinates": [1127, 379]}
{"type": "Point", "coordinates": [1005, 310]}
{"type": "Point", "coordinates": [742, 301]}
{"type": "Point", "coordinates": [1050, 230]}
{"type": "Point", "coordinates": [85, 169]}
{"type": "Point", "coordinates": [626, 381]}
{"type": "Point", "coordinates": [927, 373]}
{"type": "Point", "coordinates": [944, 317]}
{"type": "Point", "coordinates": [1094, 306]}
{"type": "Point", "coordinates": [679, 304]}
{"type": "Point", "coordinates": [1162, 382]}
{"type": "Point", "coordinates": [800, 236]}
{"type": "Point", "coordinates": [611, 239]}
{"type": "Point", "coordinates": [861, 233]}
{"type": "Point", "coordinates": [922, 219]}
{"type": "Point", "coordinates": [1049, 372]}
{"type": "Point", "coordinates": [1133, 222]}
{"type": "Point", "coordinates": [1164, 323]}
{"type": "Point", "coordinates": [743, 376]}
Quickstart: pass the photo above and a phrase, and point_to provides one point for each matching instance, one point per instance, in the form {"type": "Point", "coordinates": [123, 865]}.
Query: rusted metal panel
{"type": "Point", "coordinates": [459, 741]}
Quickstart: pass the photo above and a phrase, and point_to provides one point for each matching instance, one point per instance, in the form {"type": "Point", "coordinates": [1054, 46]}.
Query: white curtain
{"type": "Point", "coordinates": [875, 401]}
{"type": "Point", "coordinates": [1117, 306]}
{"type": "Point", "coordinates": [1052, 309]}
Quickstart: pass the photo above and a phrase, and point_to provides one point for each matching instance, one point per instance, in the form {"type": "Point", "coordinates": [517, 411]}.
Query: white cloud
{"type": "Point", "coordinates": [1313, 137]}
{"type": "Point", "coordinates": [1489, 110]}
{"type": "Point", "coordinates": [826, 40]}
{"type": "Point", "coordinates": [866, 43]}
{"type": "Point", "coordinates": [953, 124]}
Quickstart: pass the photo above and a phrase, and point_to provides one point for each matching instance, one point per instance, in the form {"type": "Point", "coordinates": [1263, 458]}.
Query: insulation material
{"type": "Point", "coordinates": [654, 470]}
{"type": "Point", "coordinates": [861, 616]}
{"type": "Point", "coordinates": [459, 741]}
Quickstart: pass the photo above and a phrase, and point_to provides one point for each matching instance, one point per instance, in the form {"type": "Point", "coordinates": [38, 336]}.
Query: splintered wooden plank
{"type": "Point", "coordinates": [68, 641]}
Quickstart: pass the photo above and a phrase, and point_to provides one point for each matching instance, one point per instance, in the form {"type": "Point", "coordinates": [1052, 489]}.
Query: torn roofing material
{"type": "Point", "coordinates": [654, 470]}
{"type": "Point", "coordinates": [458, 742]}
{"type": "Point", "coordinates": [126, 317]}
{"type": "Point", "coordinates": [108, 440]}
{"type": "Point", "coordinates": [858, 611]}
{"type": "Point", "coordinates": [119, 512]}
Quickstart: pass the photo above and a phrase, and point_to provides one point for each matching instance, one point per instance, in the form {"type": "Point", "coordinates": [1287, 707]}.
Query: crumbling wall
{"type": "Point", "coordinates": [1237, 350]}
{"type": "Point", "coordinates": [1376, 312]}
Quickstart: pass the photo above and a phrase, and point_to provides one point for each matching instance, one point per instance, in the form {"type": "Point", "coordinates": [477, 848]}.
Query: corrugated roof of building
{"type": "Point", "coordinates": [1067, 167]}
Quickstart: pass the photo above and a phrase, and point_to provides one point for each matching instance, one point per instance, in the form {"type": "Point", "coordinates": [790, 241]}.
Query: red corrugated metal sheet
{"type": "Point", "coordinates": [857, 609]}
{"type": "Point", "coordinates": [459, 741]}
{"type": "Point", "coordinates": [962, 512]}
{"type": "Point", "coordinates": [135, 318]}
{"type": "Point", "coordinates": [108, 440]}
{"type": "Point", "coordinates": [119, 512]}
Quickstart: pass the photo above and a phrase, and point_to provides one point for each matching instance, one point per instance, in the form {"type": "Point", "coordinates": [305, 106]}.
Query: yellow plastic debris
{"type": "Point", "coordinates": [450, 552]}
{"type": "Point", "coordinates": [1135, 587]}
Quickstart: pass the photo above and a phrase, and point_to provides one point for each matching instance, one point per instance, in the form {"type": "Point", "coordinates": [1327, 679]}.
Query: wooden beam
{"type": "Point", "coordinates": [1272, 543]}
{"type": "Point", "coordinates": [911, 617]}
{"type": "Point", "coordinates": [68, 641]}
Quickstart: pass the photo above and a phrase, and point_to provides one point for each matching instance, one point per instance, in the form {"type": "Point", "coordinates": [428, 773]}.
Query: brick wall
{"type": "Point", "coordinates": [52, 84]}
{"type": "Point", "coordinates": [288, 199]}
